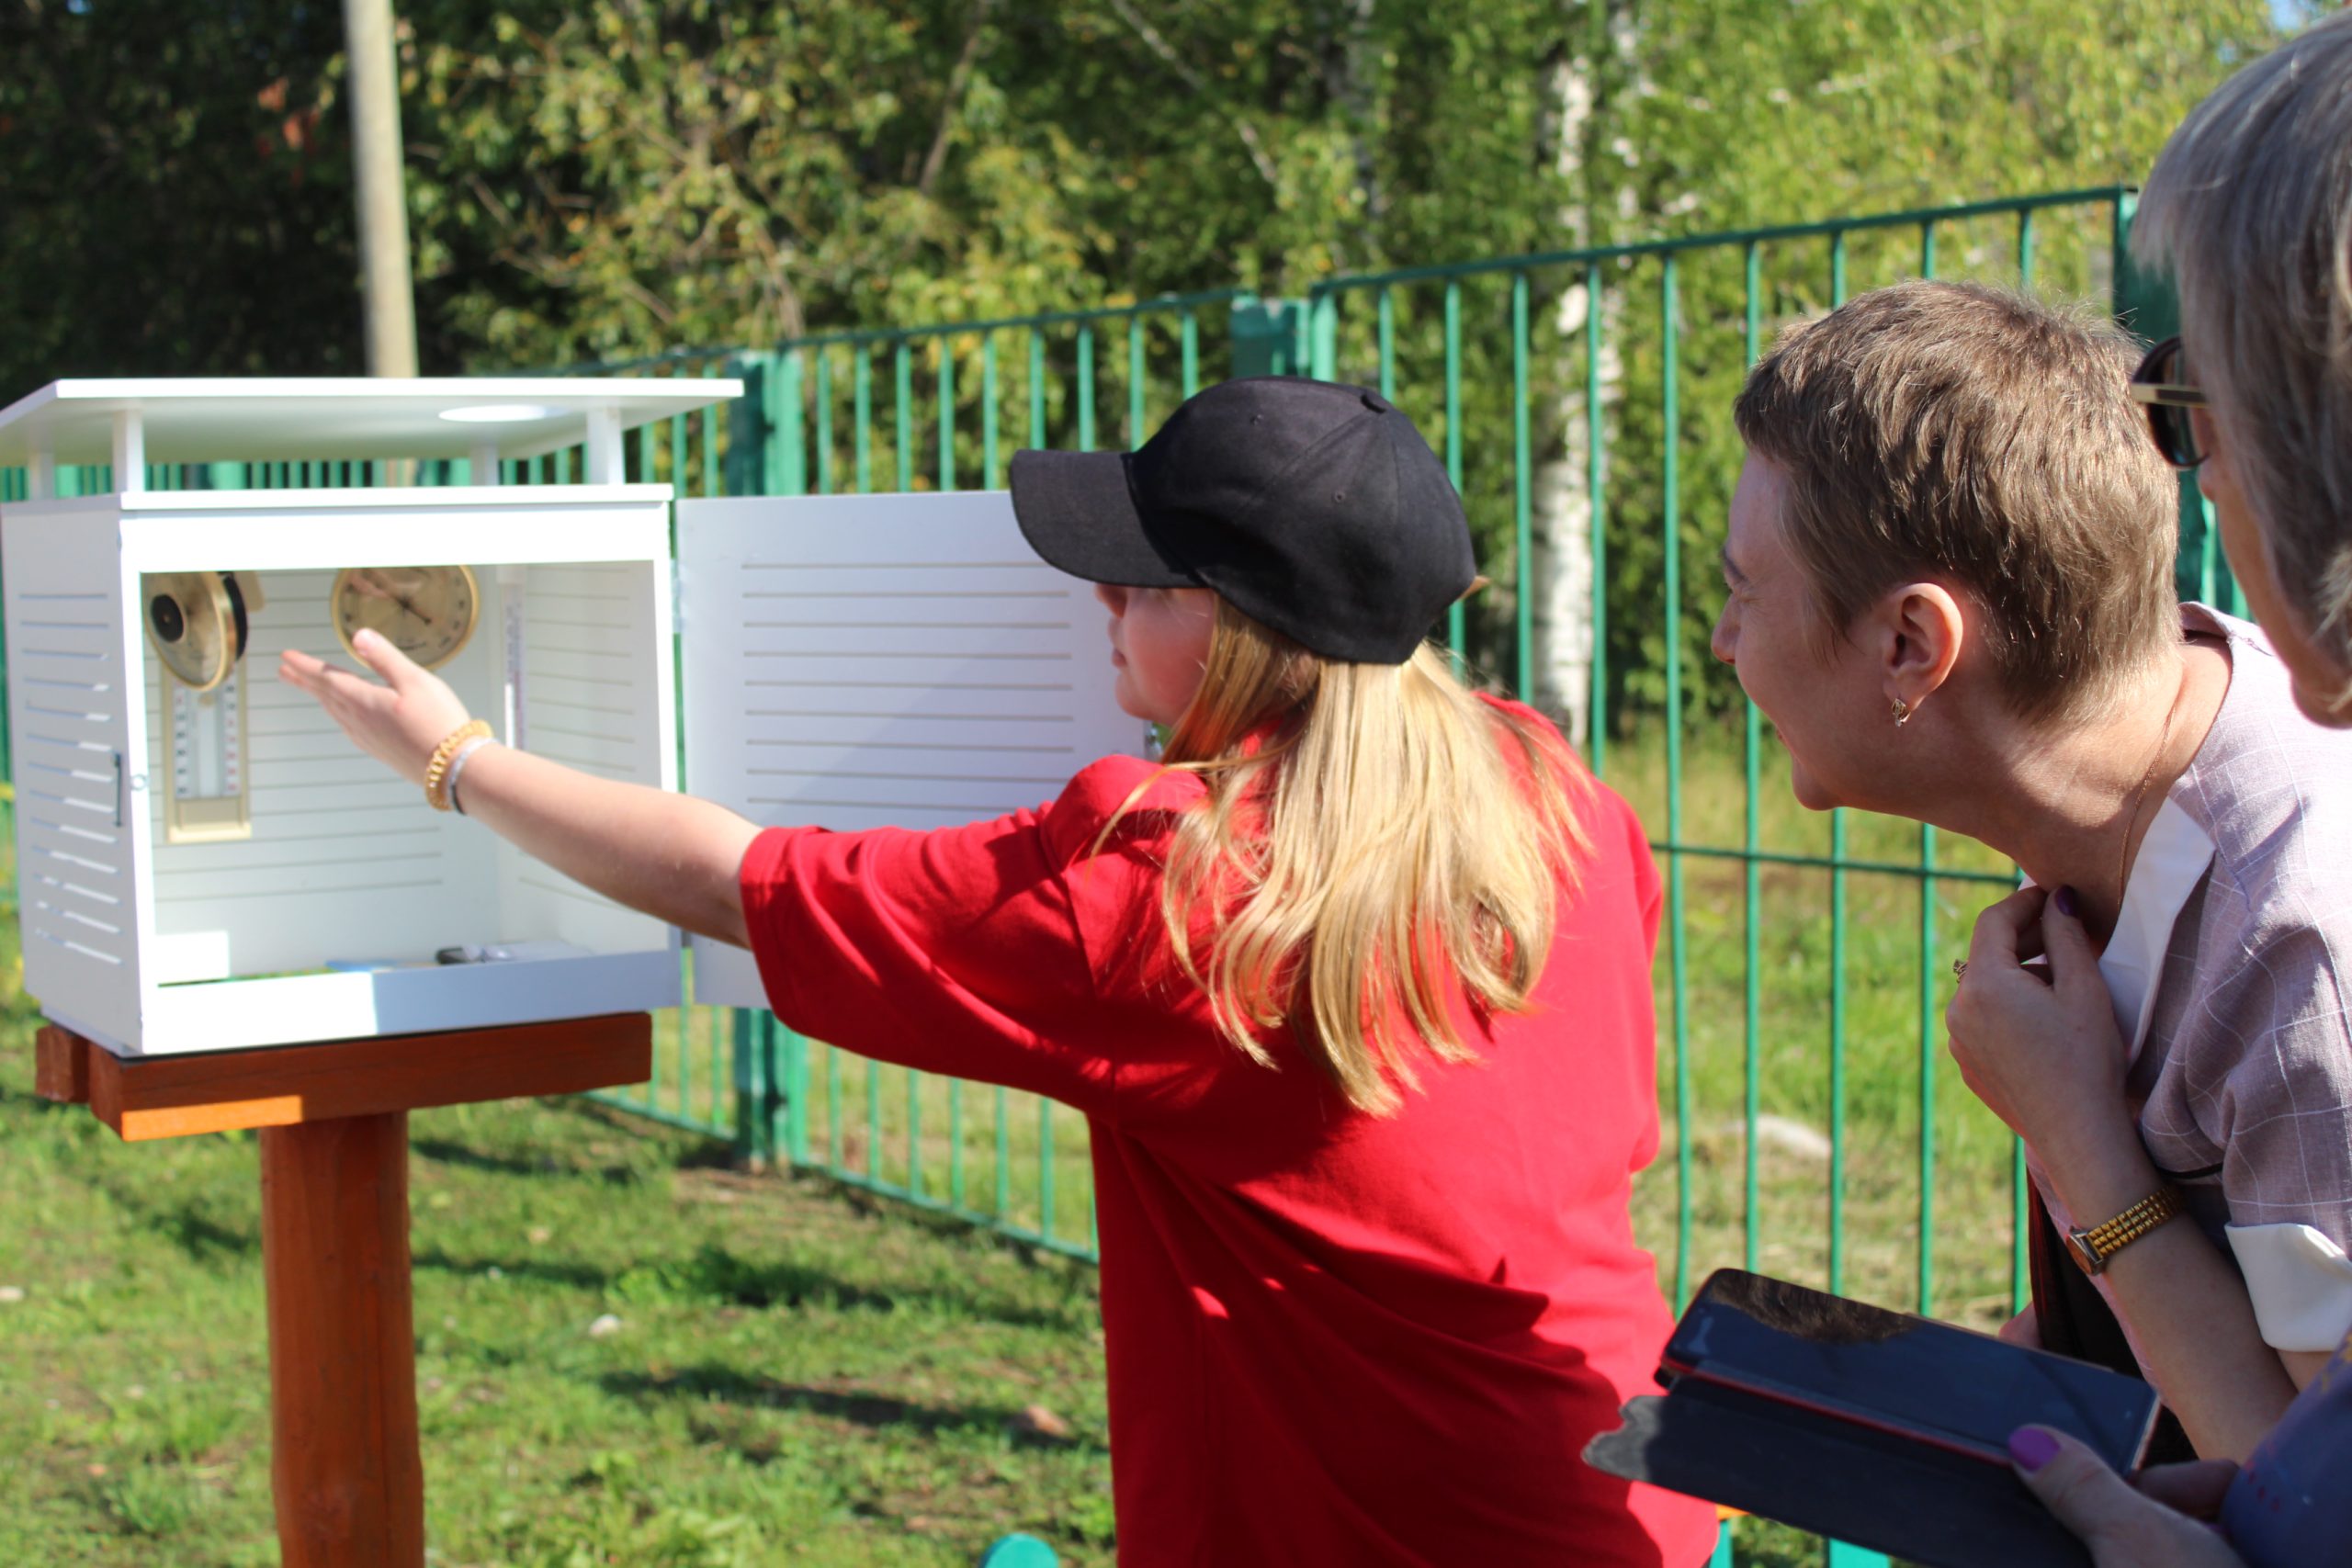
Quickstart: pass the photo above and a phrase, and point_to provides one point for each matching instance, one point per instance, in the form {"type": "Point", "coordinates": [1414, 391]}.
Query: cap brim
{"type": "Point", "coordinates": [1076, 511]}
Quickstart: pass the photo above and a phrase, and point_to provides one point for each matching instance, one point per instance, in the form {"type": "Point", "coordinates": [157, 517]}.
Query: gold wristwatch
{"type": "Point", "coordinates": [2093, 1247]}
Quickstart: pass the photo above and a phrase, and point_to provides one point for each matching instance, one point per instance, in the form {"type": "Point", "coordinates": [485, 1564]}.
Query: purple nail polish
{"type": "Point", "coordinates": [2068, 905]}
{"type": "Point", "coordinates": [2032, 1448]}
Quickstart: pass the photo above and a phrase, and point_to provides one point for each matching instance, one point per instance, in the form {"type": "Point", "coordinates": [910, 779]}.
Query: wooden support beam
{"type": "Point", "coordinates": [344, 1462]}
{"type": "Point", "coordinates": [172, 1097]}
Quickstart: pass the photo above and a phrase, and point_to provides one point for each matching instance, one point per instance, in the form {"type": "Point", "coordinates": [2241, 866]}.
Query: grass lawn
{"type": "Point", "coordinates": [793, 1378]}
{"type": "Point", "coordinates": [802, 1374]}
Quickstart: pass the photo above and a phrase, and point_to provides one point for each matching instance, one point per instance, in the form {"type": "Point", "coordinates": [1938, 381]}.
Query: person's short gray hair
{"type": "Point", "coordinates": [2250, 207]}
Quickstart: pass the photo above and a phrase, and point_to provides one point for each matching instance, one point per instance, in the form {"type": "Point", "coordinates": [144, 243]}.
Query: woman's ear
{"type": "Point", "coordinates": [1920, 629]}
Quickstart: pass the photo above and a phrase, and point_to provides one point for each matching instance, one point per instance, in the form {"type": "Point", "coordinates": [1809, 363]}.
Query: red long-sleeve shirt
{"type": "Point", "coordinates": [1333, 1338]}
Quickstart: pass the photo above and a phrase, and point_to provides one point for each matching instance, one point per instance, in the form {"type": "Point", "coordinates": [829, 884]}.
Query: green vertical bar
{"type": "Point", "coordinates": [902, 384]}
{"type": "Point", "coordinates": [1086, 386]}
{"type": "Point", "coordinates": [1670, 503]}
{"type": "Point", "coordinates": [1837, 950]}
{"type": "Point", "coordinates": [795, 1092]}
{"type": "Point", "coordinates": [992, 475]}
{"type": "Point", "coordinates": [1036, 387]}
{"type": "Point", "coordinates": [751, 1126]}
{"type": "Point", "coordinates": [1523, 494]}
{"type": "Point", "coordinates": [711, 415]}
{"type": "Point", "coordinates": [1003, 1159]}
{"type": "Point", "coordinates": [1751, 879]}
{"type": "Point", "coordinates": [956, 1144]}
{"type": "Point", "coordinates": [2025, 248]}
{"type": "Point", "coordinates": [1837, 1049]}
{"type": "Point", "coordinates": [873, 1119]}
{"type": "Point", "coordinates": [791, 427]}
{"type": "Point", "coordinates": [823, 379]}
{"type": "Point", "coordinates": [1135, 380]}
{"type": "Point", "coordinates": [861, 414]}
{"type": "Point", "coordinates": [2020, 1266]}
{"type": "Point", "coordinates": [678, 455]}
{"type": "Point", "coordinates": [833, 1110]}
{"type": "Point", "coordinates": [1927, 1043]}
{"type": "Point", "coordinates": [1045, 1168]}
{"type": "Point", "coordinates": [1595, 448]}
{"type": "Point", "coordinates": [914, 1133]}
{"type": "Point", "coordinates": [946, 413]}
{"type": "Point", "coordinates": [1387, 327]}
{"type": "Point", "coordinates": [1189, 336]}
{"type": "Point", "coordinates": [1927, 249]}
{"type": "Point", "coordinates": [1324, 347]}
{"type": "Point", "coordinates": [1455, 627]}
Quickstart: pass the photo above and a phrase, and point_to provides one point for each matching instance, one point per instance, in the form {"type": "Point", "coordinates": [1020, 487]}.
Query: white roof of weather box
{"type": "Point", "coordinates": [338, 419]}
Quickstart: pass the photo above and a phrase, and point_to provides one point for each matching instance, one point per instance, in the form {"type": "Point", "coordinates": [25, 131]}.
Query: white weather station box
{"type": "Point", "coordinates": [204, 863]}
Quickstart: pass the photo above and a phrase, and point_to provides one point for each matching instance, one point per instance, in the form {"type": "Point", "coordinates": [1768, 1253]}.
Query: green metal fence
{"type": "Point", "coordinates": [1580, 399]}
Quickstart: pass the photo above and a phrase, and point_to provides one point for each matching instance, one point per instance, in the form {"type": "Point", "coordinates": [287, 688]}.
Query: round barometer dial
{"type": "Point", "coordinates": [426, 612]}
{"type": "Point", "coordinates": [196, 623]}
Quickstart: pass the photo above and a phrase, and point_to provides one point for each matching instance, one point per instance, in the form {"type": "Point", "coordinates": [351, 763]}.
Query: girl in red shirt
{"type": "Point", "coordinates": [1352, 987]}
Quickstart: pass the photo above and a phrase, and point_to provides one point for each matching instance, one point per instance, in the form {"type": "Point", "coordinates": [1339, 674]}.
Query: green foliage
{"type": "Point", "coordinates": [176, 202]}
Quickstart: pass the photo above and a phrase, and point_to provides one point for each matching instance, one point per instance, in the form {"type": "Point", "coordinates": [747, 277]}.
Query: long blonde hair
{"type": "Point", "coordinates": [1364, 846]}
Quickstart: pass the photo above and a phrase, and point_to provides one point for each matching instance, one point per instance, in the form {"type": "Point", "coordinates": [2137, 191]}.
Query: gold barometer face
{"type": "Point", "coordinates": [426, 612]}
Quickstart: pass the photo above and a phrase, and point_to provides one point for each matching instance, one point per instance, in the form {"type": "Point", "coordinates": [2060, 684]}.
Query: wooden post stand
{"type": "Point", "coordinates": [333, 1122]}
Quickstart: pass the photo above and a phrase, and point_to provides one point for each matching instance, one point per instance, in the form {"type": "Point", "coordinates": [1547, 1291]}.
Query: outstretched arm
{"type": "Point", "coordinates": [673, 856]}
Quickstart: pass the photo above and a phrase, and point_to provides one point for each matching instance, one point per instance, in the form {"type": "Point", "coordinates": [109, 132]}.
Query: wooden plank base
{"type": "Point", "coordinates": [172, 1097]}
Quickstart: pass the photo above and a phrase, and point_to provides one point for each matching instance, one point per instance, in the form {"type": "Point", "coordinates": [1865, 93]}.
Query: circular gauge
{"type": "Point", "coordinates": [426, 612]}
{"type": "Point", "coordinates": [196, 623]}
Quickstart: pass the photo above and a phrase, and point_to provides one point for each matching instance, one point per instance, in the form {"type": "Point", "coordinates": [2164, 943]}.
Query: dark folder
{"type": "Point", "coordinates": [1906, 1498]}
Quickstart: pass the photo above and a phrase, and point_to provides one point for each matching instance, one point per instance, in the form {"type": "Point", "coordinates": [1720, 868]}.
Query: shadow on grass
{"type": "Point", "coordinates": [711, 1382]}
{"type": "Point", "coordinates": [714, 1276]}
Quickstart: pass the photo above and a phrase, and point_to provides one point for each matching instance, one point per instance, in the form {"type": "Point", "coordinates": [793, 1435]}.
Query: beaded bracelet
{"type": "Point", "coordinates": [436, 772]}
{"type": "Point", "coordinates": [457, 766]}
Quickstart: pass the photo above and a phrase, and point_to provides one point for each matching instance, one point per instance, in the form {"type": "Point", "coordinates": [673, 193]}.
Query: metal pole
{"type": "Point", "coordinates": [388, 309]}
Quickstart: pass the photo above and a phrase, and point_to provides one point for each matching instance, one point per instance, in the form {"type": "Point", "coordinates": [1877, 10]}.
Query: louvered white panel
{"type": "Point", "coordinates": [891, 660]}
{"type": "Point", "coordinates": [596, 667]}
{"type": "Point", "coordinates": [72, 711]}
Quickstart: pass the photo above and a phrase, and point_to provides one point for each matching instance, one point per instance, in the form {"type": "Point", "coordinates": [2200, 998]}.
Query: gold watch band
{"type": "Point", "coordinates": [2093, 1247]}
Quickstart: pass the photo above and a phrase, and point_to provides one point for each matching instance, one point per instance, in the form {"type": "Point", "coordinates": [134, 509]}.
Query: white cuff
{"type": "Point", "coordinates": [2301, 1283]}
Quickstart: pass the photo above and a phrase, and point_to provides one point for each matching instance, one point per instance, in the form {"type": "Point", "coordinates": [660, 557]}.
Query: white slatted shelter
{"type": "Point", "coordinates": [849, 662]}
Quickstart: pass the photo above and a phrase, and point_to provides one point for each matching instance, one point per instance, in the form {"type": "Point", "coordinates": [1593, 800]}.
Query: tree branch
{"type": "Point", "coordinates": [957, 81]}
{"type": "Point", "coordinates": [1199, 84]}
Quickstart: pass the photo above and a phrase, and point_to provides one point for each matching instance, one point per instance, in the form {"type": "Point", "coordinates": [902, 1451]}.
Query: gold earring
{"type": "Point", "coordinates": [1901, 711]}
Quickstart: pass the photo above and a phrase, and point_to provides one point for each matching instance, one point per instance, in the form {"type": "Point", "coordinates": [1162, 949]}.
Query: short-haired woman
{"type": "Point", "coordinates": [1951, 560]}
{"type": "Point", "coordinates": [2250, 209]}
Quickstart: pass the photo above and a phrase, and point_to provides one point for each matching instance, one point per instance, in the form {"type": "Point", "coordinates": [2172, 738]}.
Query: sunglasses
{"type": "Point", "coordinates": [2159, 384]}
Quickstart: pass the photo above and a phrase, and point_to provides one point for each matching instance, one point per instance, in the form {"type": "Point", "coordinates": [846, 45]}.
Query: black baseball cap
{"type": "Point", "coordinates": [1315, 508]}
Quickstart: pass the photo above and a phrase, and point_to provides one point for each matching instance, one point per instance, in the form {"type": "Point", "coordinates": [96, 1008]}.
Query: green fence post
{"type": "Point", "coordinates": [754, 1126]}
{"type": "Point", "coordinates": [749, 426]}
{"type": "Point", "coordinates": [1265, 337]}
{"type": "Point", "coordinates": [787, 420]}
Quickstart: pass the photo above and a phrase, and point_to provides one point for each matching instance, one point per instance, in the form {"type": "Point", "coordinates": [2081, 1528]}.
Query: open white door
{"type": "Point", "coordinates": [880, 661]}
